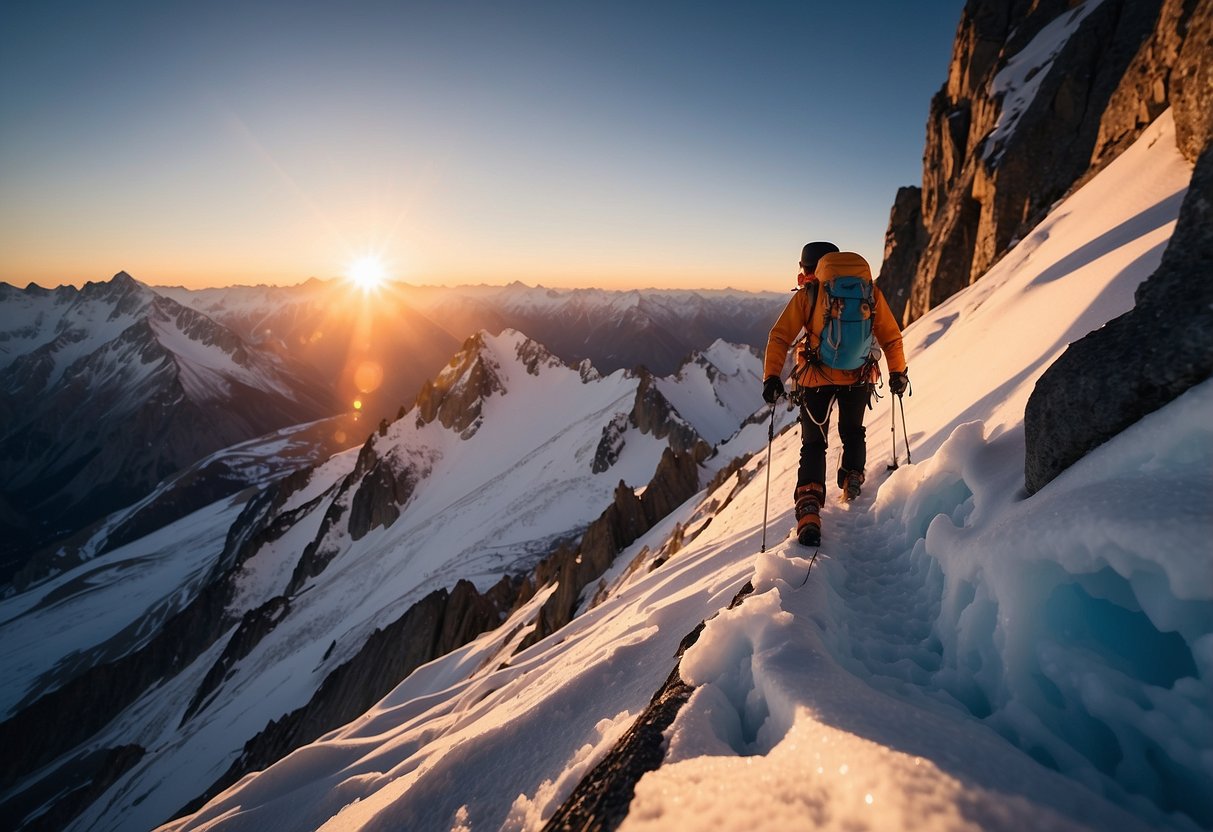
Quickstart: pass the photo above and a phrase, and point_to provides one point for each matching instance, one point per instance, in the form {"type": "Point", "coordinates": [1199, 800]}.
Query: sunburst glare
{"type": "Point", "coordinates": [367, 272]}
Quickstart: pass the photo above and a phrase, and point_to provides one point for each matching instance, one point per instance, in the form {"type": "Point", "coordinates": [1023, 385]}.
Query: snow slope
{"type": "Point", "coordinates": [961, 656]}
{"type": "Point", "coordinates": [113, 604]}
{"type": "Point", "coordinates": [487, 500]}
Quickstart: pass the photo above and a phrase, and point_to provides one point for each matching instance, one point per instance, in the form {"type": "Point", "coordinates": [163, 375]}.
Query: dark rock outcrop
{"type": "Point", "coordinates": [611, 444]}
{"type": "Point", "coordinates": [437, 624]}
{"type": "Point", "coordinates": [627, 518]}
{"type": "Point", "coordinates": [903, 244]}
{"type": "Point", "coordinates": [456, 397]}
{"type": "Point", "coordinates": [98, 687]}
{"type": "Point", "coordinates": [1147, 357]}
{"type": "Point", "coordinates": [1139, 361]}
{"type": "Point", "coordinates": [987, 182]}
{"type": "Point", "coordinates": [40, 733]}
{"type": "Point", "coordinates": [1192, 82]}
{"type": "Point", "coordinates": [601, 800]}
{"type": "Point", "coordinates": [380, 497]}
{"type": "Point", "coordinates": [52, 806]}
{"type": "Point", "coordinates": [254, 626]}
{"type": "Point", "coordinates": [653, 413]}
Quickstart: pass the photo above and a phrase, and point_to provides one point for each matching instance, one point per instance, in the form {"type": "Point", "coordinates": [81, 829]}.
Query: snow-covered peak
{"type": "Point", "coordinates": [486, 365]}
{"type": "Point", "coordinates": [717, 389]}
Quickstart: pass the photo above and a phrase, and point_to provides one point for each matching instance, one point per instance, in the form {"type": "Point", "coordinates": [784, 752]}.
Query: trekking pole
{"type": "Point", "coordinates": [904, 432]}
{"type": "Point", "coordinates": [766, 501]}
{"type": "Point", "coordinates": [892, 466]}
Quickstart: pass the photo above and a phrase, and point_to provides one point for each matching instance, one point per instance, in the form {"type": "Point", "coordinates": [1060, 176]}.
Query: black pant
{"type": "Point", "coordinates": [815, 429]}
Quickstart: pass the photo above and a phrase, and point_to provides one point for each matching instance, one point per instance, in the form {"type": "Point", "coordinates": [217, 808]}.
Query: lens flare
{"type": "Point", "coordinates": [368, 376]}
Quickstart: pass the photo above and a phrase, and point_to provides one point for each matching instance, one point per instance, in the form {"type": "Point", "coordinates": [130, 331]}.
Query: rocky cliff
{"type": "Point", "coordinates": [1139, 361]}
{"type": "Point", "coordinates": [1164, 345]}
{"type": "Point", "coordinates": [1040, 96]}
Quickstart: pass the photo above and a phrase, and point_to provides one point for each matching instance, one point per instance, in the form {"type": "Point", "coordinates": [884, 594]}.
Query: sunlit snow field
{"type": "Point", "coordinates": [961, 655]}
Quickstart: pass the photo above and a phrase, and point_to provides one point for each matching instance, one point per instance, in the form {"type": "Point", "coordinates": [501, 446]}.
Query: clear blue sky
{"type": "Point", "coordinates": [563, 143]}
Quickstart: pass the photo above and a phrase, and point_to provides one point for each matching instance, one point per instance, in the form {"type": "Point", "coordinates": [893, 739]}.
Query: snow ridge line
{"type": "Point", "coordinates": [602, 799]}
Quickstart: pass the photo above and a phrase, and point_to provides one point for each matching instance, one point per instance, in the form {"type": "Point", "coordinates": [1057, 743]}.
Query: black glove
{"type": "Point", "coordinates": [898, 382]}
{"type": "Point", "coordinates": [772, 390]}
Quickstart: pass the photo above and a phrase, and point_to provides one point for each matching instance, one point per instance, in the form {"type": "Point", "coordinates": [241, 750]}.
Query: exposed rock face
{"type": "Point", "coordinates": [903, 244]}
{"type": "Point", "coordinates": [40, 733]}
{"type": "Point", "coordinates": [1192, 82]}
{"type": "Point", "coordinates": [1011, 131]}
{"type": "Point", "coordinates": [601, 800]}
{"type": "Point", "coordinates": [380, 497]}
{"type": "Point", "coordinates": [254, 626]}
{"type": "Point", "coordinates": [611, 444]}
{"type": "Point", "coordinates": [1145, 358]}
{"type": "Point", "coordinates": [37, 732]}
{"type": "Point", "coordinates": [652, 413]}
{"type": "Point", "coordinates": [373, 495]}
{"type": "Point", "coordinates": [627, 518]}
{"type": "Point", "coordinates": [85, 779]}
{"type": "Point", "coordinates": [439, 623]}
{"type": "Point", "coordinates": [456, 397]}
{"type": "Point", "coordinates": [1138, 362]}
{"type": "Point", "coordinates": [1172, 69]}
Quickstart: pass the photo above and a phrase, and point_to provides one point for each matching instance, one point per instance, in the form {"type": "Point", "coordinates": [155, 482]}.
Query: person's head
{"type": "Point", "coordinates": [811, 253]}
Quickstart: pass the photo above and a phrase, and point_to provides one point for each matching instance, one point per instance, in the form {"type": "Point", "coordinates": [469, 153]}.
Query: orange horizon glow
{"type": "Point", "coordinates": [761, 277]}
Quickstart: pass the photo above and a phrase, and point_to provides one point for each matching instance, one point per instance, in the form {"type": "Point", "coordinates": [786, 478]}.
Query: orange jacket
{"type": "Point", "coordinates": [794, 319]}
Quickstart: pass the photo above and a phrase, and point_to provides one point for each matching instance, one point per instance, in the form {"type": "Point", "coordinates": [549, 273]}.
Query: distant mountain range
{"type": "Point", "coordinates": [109, 389]}
{"type": "Point", "coordinates": [402, 335]}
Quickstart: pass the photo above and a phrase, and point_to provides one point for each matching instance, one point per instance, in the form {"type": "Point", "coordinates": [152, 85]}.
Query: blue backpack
{"type": "Point", "coordinates": [840, 326]}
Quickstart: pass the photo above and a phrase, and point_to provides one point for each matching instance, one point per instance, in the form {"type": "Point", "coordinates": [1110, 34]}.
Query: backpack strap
{"type": "Point", "coordinates": [813, 323]}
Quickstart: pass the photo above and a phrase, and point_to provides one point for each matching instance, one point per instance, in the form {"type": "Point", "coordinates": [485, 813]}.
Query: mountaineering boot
{"type": "Point", "coordinates": [849, 482]}
{"type": "Point", "coordinates": [808, 513]}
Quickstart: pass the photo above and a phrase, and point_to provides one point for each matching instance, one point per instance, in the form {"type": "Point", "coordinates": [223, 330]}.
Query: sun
{"type": "Point", "coordinates": [366, 272]}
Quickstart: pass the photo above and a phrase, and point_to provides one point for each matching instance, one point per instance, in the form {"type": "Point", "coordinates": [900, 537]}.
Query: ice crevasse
{"type": "Point", "coordinates": [1074, 625]}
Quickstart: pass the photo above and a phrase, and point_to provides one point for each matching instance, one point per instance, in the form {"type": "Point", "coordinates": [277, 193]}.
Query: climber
{"type": "Point", "coordinates": [839, 309]}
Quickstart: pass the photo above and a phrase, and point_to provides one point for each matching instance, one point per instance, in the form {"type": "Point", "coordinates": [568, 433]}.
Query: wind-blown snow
{"type": "Point", "coordinates": [961, 655]}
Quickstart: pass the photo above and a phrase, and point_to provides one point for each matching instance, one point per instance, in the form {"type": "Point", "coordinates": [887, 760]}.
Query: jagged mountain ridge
{"type": "Point", "coordinates": [376, 348]}
{"type": "Point", "coordinates": [422, 509]}
{"type": "Point", "coordinates": [614, 330]}
{"type": "Point", "coordinates": [1040, 97]}
{"type": "Point", "coordinates": [108, 389]}
{"type": "Point", "coordinates": [653, 328]}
